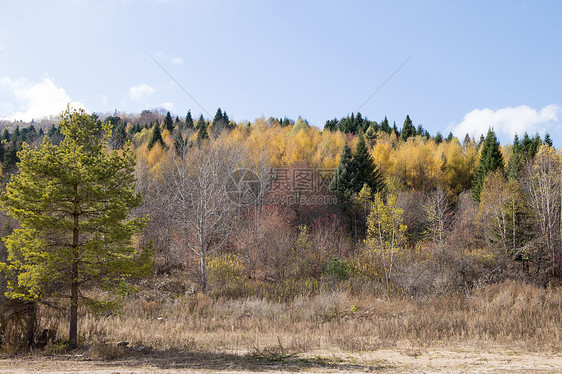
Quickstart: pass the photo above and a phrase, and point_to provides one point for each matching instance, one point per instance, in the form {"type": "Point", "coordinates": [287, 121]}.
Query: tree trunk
{"type": "Point", "coordinates": [355, 226]}
{"type": "Point", "coordinates": [513, 222]}
{"type": "Point", "coordinates": [32, 318]}
{"type": "Point", "coordinates": [203, 274]}
{"type": "Point", "coordinates": [73, 329]}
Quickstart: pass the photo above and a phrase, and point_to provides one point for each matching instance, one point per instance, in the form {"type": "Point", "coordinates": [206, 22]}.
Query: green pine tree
{"type": "Point", "coordinates": [341, 183]}
{"type": "Point", "coordinates": [490, 159]}
{"type": "Point", "coordinates": [536, 144]}
{"type": "Point", "coordinates": [527, 147]}
{"type": "Point", "coordinates": [72, 202]}
{"type": "Point", "coordinates": [515, 164]}
{"type": "Point", "coordinates": [386, 127]}
{"type": "Point", "coordinates": [225, 118]}
{"type": "Point", "coordinates": [408, 129]}
{"type": "Point", "coordinates": [202, 132]}
{"type": "Point", "coordinates": [169, 122]}
{"type": "Point", "coordinates": [522, 152]}
{"type": "Point", "coordinates": [365, 171]}
{"type": "Point", "coordinates": [119, 135]}
{"type": "Point", "coordinates": [6, 135]}
{"type": "Point", "coordinates": [220, 123]}
{"type": "Point", "coordinates": [218, 116]}
{"type": "Point", "coordinates": [156, 137]}
{"type": "Point", "coordinates": [200, 123]}
{"type": "Point", "coordinates": [10, 160]}
{"type": "Point", "coordinates": [188, 120]}
{"type": "Point", "coordinates": [548, 140]}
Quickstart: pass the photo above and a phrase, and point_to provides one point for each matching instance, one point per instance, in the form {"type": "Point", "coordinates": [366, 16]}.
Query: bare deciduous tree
{"type": "Point", "coordinates": [201, 209]}
{"type": "Point", "coordinates": [438, 210]}
{"type": "Point", "coordinates": [543, 187]}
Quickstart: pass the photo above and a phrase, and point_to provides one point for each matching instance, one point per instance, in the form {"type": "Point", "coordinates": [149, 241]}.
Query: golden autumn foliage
{"type": "Point", "coordinates": [225, 269]}
{"type": "Point", "coordinates": [154, 160]}
{"type": "Point", "coordinates": [383, 153]}
{"type": "Point", "coordinates": [418, 164]}
{"type": "Point", "coordinates": [458, 168]}
{"type": "Point", "coordinates": [329, 149]}
{"type": "Point", "coordinates": [301, 144]}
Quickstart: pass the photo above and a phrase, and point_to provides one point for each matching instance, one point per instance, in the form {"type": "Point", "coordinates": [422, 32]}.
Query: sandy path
{"type": "Point", "coordinates": [381, 361]}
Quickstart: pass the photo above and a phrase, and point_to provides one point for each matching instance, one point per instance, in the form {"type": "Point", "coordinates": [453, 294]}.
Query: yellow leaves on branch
{"type": "Point", "coordinates": [458, 168]}
{"type": "Point", "coordinates": [154, 160]}
{"type": "Point", "coordinates": [418, 164]}
{"type": "Point", "coordinates": [167, 137]}
{"type": "Point", "coordinates": [384, 153]}
{"type": "Point", "coordinates": [301, 145]}
{"type": "Point", "coordinates": [329, 149]}
{"type": "Point", "coordinates": [385, 231]}
{"type": "Point", "coordinates": [225, 269]}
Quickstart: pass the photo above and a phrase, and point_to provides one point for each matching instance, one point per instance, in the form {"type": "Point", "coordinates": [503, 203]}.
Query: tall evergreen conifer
{"type": "Point", "coordinates": [202, 132]}
{"type": "Point", "coordinates": [408, 129]}
{"type": "Point", "coordinates": [188, 120]}
{"type": "Point", "coordinates": [72, 202]}
{"type": "Point", "coordinates": [490, 159]}
{"type": "Point", "coordinates": [169, 122]}
{"type": "Point", "coordinates": [156, 137]}
{"type": "Point", "coordinates": [341, 183]}
{"type": "Point", "coordinates": [365, 170]}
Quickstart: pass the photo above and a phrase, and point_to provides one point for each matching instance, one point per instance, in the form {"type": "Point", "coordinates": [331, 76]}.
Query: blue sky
{"type": "Point", "coordinates": [475, 64]}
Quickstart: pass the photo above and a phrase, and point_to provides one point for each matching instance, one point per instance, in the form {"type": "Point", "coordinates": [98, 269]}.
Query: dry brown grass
{"type": "Point", "coordinates": [508, 314]}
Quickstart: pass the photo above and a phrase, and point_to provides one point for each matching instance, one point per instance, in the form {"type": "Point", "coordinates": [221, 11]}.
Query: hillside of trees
{"type": "Point", "coordinates": [279, 209]}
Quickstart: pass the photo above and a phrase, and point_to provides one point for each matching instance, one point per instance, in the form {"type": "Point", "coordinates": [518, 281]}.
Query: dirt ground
{"type": "Point", "coordinates": [406, 360]}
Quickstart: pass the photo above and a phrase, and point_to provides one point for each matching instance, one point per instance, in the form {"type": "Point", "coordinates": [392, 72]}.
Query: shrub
{"type": "Point", "coordinates": [337, 269]}
{"type": "Point", "coordinates": [225, 270]}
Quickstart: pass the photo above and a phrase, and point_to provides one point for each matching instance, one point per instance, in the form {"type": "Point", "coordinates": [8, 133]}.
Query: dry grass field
{"type": "Point", "coordinates": [507, 327]}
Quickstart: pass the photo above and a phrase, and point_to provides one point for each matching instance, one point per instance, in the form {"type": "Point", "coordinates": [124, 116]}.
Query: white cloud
{"type": "Point", "coordinates": [34, 100]}
{"type": "Point", "coordinates": [507, 122]}
{"type": "Point", "coordinates": [169, 57]}
{"type": "Point", "coordinates": [140, 91]}
{"type": "Point", "coordinates": [168, 106]}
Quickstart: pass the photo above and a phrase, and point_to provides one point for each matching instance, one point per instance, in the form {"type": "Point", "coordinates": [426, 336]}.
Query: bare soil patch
{"type": "Point", "coordinates": [398, 360]}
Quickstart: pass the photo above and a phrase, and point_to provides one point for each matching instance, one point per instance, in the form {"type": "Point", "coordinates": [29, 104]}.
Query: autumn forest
{"type": "Point", "coordinates": [187, 213]}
